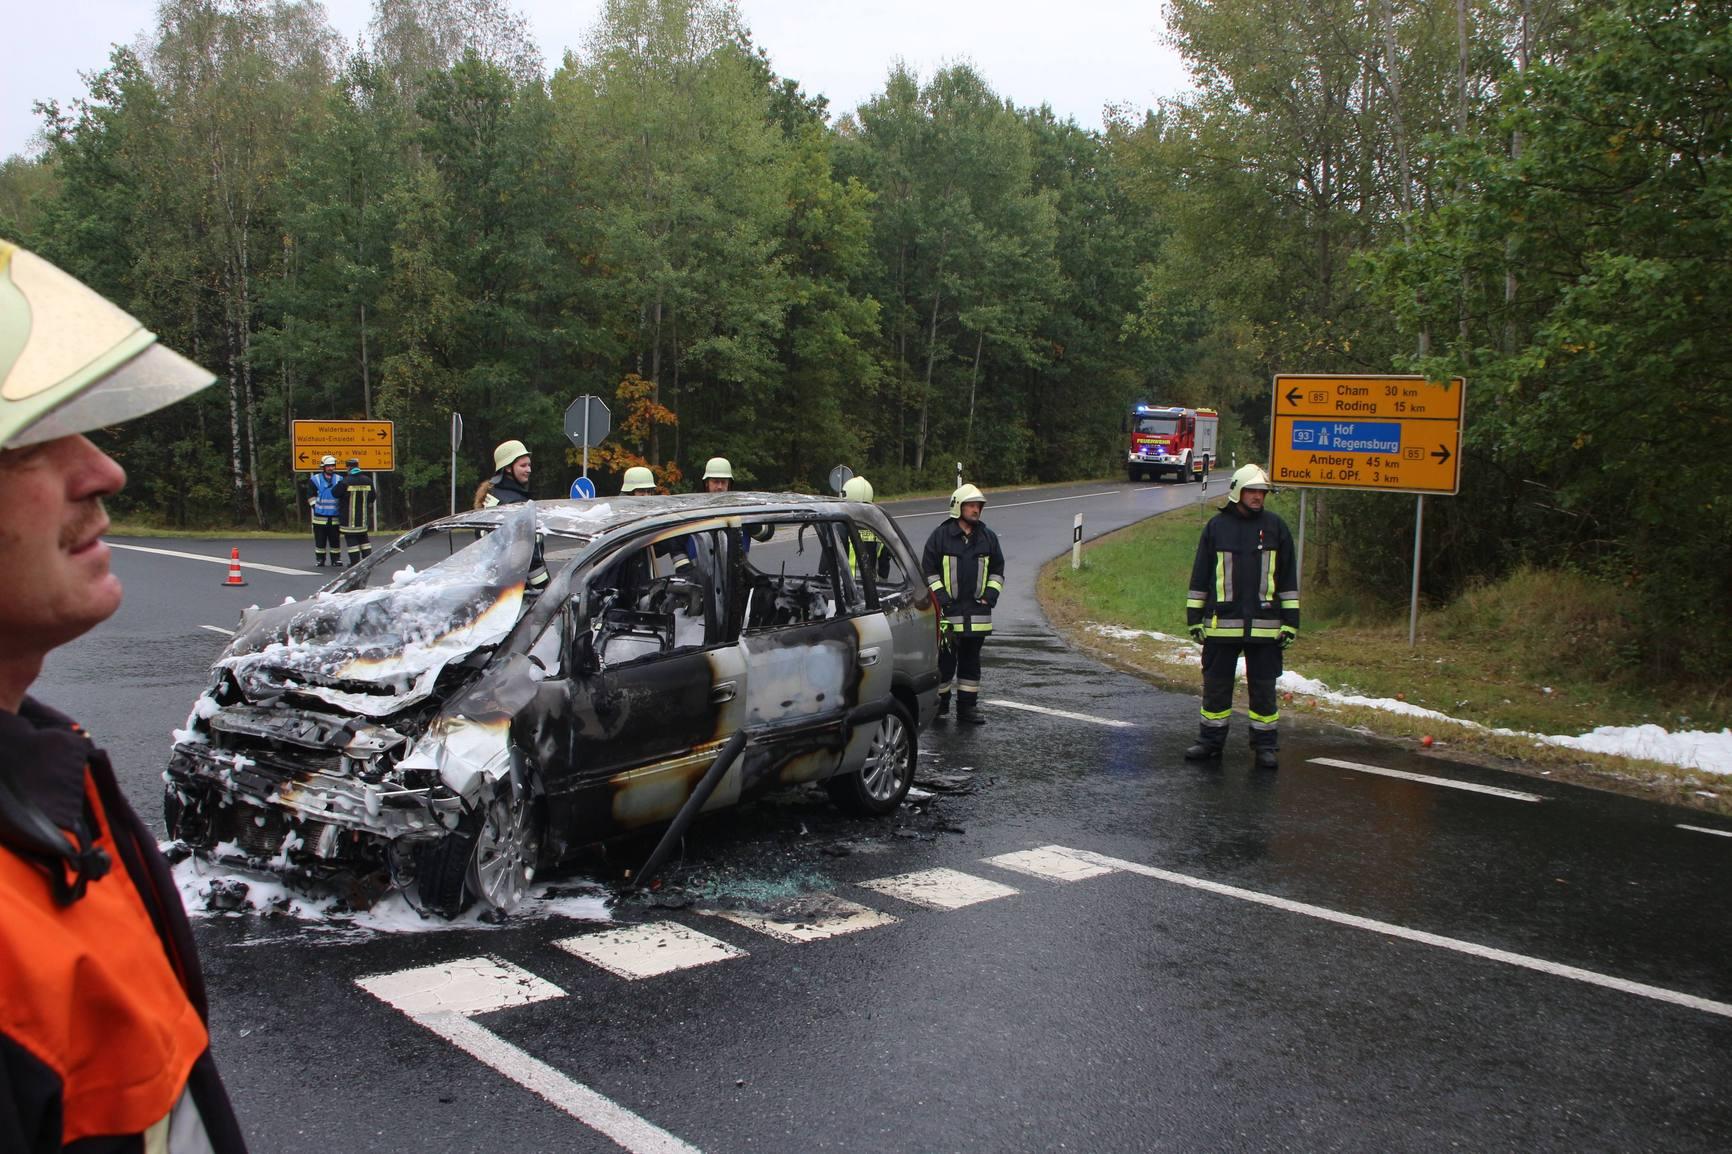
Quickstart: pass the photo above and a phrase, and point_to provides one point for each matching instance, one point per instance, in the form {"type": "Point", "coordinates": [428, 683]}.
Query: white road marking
{"type": "Point", "coordinates": [1705, 829]}
{"type": "Point", "coordinates": [219, 629]}
{"type": "Point", "coordinates": [260, 566]}
{"type": "Point", "coordinates": [1494, 791]}
{"type": "Point", "coordinates": [1048, 863]}
{"type": "Point", "coordinates": [442, 998]}
{"type": "Point", "coordinates": [812, 919]}
{"type": "Point", "coordinates": [1557, 969]}
{"type": "Point", "coordinates": [1065, 713]}
{"type": "Point", "coordinates": [940, 889]}
{"type": "Point", "coordinates": [647, 951]}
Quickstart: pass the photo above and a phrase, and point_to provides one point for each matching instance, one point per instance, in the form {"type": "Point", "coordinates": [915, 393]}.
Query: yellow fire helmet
{"type": "Point", "coordinates": [507, 454]}
{"type": "Point", "coordinates": [638, 480]}
{"type": "Point", "coordinates": [963, 496]}
{"type": "Point", "coordinates": [71, 361]}
{"type": "Point", "coordinates": [1248, 477]}
{"type": "Point", "coordinates": [857, 489]}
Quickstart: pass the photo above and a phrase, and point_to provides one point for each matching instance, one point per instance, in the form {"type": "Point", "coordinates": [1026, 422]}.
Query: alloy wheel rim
{"type": "Point", "coordinates": [882, 772]}
{"type": "Point", "coordinates": [505, 853]}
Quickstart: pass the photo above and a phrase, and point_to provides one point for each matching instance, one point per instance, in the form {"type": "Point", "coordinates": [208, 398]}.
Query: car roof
{"type": "Point", "coordinates": [603, 516]}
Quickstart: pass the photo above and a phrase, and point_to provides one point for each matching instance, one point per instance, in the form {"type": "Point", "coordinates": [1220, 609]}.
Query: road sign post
{"type": "Point", "coordinates": [456, 440]}
{"type": "Point", "coordinates": [587, 423]}
{"type": "Point", "coordinates": [1394, 434]}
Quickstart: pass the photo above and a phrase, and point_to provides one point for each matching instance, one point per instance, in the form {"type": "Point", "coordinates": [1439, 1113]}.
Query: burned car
{"type": "Point", "coordinates": [501, 688]}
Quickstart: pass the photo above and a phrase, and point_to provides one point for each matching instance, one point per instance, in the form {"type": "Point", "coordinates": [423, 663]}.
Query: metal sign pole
{"type": "Point", "coordinates": [1418, 537]}
{"type": "Point", "coordinates": [585, 440]}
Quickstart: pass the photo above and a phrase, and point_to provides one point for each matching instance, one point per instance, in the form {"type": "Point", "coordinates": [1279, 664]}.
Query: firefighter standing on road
{"type": "Point", "coordinates": [965, 569]}
{"type": "Point", "coordinates": [871, 548]}
{"type": "Point", "coordinates": [1244, 599]}
{"type": "Point", "coordinates": [103, 1042]}
{"type": "Point", "coordinates": [357, 511]}
{"type": "Point", "coordinates": [325, 498]}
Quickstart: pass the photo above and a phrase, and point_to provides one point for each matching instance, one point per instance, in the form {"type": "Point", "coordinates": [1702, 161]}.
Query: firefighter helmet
{"type": "Point", "coordinates": [638, 479]}
{"type": "Point", "coordinates": [508, 453]}
{"type": "Point", "coordinates": [1248, 477]}
{"type": "Point", "coordinates": [963, 496]}
{"type": "Point", "coordinates": [718, 467]}
{"type": "Point", "coordinates": [71, 361]}
{"type": "Point", "coordinates": [327, 461]}
{"type": "Point", "coordinates": [857, 489]}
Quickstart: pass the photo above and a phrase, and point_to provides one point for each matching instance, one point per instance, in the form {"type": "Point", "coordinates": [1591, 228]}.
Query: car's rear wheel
{"type": "Point", "coordinates": [879, 786]}
{"type": "Point", "coordinates": [490, 858]}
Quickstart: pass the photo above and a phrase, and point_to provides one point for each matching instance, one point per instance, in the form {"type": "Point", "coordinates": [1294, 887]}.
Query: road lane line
{"type": "Point", "coordinates": [1494, 791]}
{"type": "Point", "coordinates": [1490, 953]}
{"type": "Point", "coordinates": [1065, 713]}
{"type": "Point", "coordinates": [811, 919]}
{"type": "Point", "coordinates": [442, 998]}
{"type": "Point", "coordinates": [260, 566]}
{"type": "Point", "coordinates": [649, 950]}
{"type": "Point", "coordinates": [1047, 863]}
{"type": "Point", "coordinates": [1705, 829]}
{"type": "Point", "coordinates": [939, 889]}
{"type": "Point", "coordinates": [219, 629]}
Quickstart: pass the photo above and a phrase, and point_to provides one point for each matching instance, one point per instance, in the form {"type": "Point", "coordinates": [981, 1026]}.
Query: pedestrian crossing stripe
{"type": "Point", "coordinates": [809, 920]}
{"type": "Point", "coordinates": [940, 889]}
{"type": "Point", "coordinates": [648, 951]}
{"type": "Point", "coordinates": [1050, 863]}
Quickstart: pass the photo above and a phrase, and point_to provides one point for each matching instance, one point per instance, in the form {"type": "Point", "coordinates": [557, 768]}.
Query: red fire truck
{"type": "Point", "coordinates": [1170, 439]}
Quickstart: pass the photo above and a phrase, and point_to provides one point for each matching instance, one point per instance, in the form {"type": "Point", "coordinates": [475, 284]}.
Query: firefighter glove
{"type": "Point", "coordinates": [1196, 632]}
{"type": "Point", "coordinates": [943, 599]}
{"type": "Point", "coordinates": [1288, 633]}
{"type": "Point", "coordinates": [991, 598]}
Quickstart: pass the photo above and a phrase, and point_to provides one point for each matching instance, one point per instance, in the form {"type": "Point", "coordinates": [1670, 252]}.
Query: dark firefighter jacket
{"type": "Point", "coordinates": [103, 1045]}
{"type": "Point", "coordinates": [966, 573]}
{"type": "Point", "coordinates": [1244, 582]}
{"type": "Point", "coordinates": [357, 502]}
{"type": "Point", "coordinates": [504, 489]}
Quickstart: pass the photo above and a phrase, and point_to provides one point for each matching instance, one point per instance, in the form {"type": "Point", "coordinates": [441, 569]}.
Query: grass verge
{"type": "Point", "coordinates": [1536, 652]}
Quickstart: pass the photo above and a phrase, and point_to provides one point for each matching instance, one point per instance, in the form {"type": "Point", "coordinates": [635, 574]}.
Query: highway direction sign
{"type": "Point", "coordinates": [1395, 434]}
{"type": "Point", "coordinates": [373, 443]}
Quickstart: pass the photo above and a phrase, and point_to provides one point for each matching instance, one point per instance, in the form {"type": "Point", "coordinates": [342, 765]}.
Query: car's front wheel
{"type": "Point", "coordinates": [490, 858]}
{"type": "Point", "coordinates": [879, 785]}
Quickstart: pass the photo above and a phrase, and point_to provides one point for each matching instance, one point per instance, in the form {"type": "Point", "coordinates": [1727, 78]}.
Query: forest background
{"type": "Point", "coordinates": [1533, 194]}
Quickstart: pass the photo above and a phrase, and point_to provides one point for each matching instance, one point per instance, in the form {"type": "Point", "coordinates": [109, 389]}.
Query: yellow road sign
{"type": "Point", "coordinates": [372, 443]}
{"type": "Point", "coordinates": [1395, 434]}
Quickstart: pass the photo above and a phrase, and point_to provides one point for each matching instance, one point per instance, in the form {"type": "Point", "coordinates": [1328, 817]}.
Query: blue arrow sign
{"type": "Point", "coordinates": [1348, 436]}
{"type": "Point", "coordinates": [582, 488]}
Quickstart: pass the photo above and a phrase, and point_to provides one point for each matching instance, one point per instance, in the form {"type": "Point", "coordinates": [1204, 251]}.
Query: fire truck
{"type": "Point", "coordinates": [1170, 439]}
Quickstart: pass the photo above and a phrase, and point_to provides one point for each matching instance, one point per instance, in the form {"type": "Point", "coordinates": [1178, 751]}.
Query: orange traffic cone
{"type": "Point", "coordinates": [235, 577]}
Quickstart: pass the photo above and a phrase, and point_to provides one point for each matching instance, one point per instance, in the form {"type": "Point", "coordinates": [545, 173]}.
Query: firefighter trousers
{"type": "Point", "coordinates": [960, 661]}
{"type": "Point", "coordinates": [327, 541]}
{"type": "Point", "coordinates": [1262, 668]}
{"type": "Point", "coordinates": [358, 543]}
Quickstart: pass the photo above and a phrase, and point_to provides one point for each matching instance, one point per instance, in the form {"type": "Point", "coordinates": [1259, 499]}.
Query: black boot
{"type": "Point", "coordinates": [943, 705]}
{"type": "Point", "coordinates": [1203, 751]}
{"type": "Point", "coordinates": [969, 715]}
{"type": "Point", "coordinates": [1267, 758]}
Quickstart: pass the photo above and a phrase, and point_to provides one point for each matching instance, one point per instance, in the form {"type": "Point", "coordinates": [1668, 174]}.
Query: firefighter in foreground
{"type": "Point", "coordinates": [965, 569]}
{"type": "Point", "coordinates": [357, 511]}
{"type": "Point", "coordinates": [103, 1042]}
{"type": "Point", "coordinates": [1244, 599]}
{"type": "Point", "coordinates": [325, 498]}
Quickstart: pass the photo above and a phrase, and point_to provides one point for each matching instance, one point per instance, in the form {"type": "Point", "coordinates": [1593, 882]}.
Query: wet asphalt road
{"type": "Point", "coordinates": [1115, 1012]}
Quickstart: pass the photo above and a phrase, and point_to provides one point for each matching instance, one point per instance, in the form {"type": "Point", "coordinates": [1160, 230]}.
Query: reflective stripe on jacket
{"type": "Point", "coordinates": [968, 570]}
{"type": "Point", "coordinates": [1244, 581]}
{"type": "Point", "coordinates": [357, 503]}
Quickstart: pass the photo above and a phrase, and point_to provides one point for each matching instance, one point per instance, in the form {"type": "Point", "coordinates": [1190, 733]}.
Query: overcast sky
{"type": "Point", "coordinates": [1076, 56]}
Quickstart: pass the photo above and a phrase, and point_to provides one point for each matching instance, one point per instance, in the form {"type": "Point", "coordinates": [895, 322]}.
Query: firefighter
{"type": "Point", "coordinates": [964, 567]}
{"type": "Point", "coordinates": [718, 475]}
{"type": "Point", "coordinates": [510, 481]}
{"type": "Point", "coordinates": [357, 511]}
{"type": "Point", "coordinates": [1244, 600]}
{"type": "Point", "coordinates": [325, 498]}
{"type": "Point", "coordinates": [876, 559]}
{"type": "Point", "coordinates": [638, 480]}
{"type": "Point", "coordinates": [103, 1038]}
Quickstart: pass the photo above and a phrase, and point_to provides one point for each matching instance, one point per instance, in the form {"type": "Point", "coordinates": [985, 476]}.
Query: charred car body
{"type": "Point", "coordinates": [503, 687]}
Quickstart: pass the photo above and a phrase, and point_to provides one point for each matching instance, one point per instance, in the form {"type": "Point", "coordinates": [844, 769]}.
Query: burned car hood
{"type": "Point", "coordinates": [375, 651]}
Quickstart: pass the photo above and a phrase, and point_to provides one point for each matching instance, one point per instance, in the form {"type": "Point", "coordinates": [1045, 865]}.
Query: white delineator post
{"type": "Point", "coordinates": [1076, 542]}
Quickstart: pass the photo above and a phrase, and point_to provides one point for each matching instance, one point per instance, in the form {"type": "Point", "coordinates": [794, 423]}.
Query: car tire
{"type": "Point", "coordinates": [490, 858]}
{"type": "Point", "coordinates": [879, 786]}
